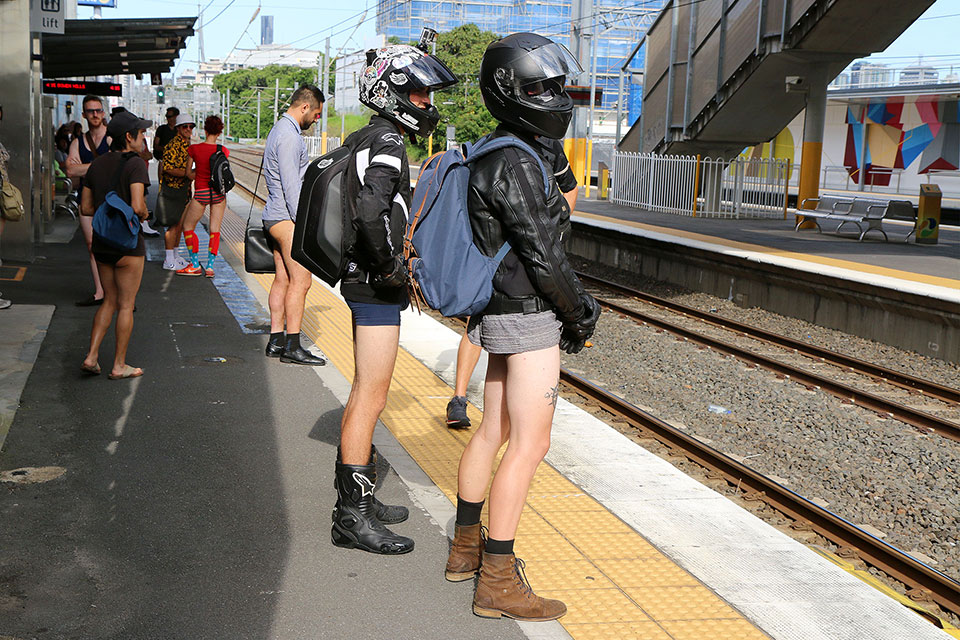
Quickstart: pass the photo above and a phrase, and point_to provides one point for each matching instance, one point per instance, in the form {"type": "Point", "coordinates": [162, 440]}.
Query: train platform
{"type": "Point", "coordinates": [194, 502]}
{"type": "Point", "coordinates": [932, 270]}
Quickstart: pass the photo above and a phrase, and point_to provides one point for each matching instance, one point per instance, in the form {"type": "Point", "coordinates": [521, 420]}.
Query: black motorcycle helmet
{"type": "Point", "coordinates": [521, 80]}
{"type": "Point", "coordinates": [392, 73]}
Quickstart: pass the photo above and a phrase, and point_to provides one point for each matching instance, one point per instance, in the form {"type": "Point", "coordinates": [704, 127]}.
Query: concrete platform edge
{"type": "Point", "coordinates": [25, 328]}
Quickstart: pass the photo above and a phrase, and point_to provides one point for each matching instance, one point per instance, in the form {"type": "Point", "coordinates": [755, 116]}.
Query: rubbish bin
{"type": "Point", "coordinates": [928, 214]}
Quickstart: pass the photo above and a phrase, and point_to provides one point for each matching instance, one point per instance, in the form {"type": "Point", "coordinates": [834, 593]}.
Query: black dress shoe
{"type": "Point", "coordinates": [274, 349]}
{"type": "Point", "coordinates": [302, 356]}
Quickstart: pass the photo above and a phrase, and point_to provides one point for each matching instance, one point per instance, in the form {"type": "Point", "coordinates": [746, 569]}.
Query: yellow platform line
{"type": "Point", "coordinates": [938, 281]}
{"type": "Point", "coordinates": [614, 582]}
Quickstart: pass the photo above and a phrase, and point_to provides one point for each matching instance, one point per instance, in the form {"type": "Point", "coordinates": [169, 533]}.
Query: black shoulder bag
{"type": "Point", "coordinates": [257, 245]}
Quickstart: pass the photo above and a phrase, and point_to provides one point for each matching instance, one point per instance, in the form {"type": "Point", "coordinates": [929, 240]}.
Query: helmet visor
{"type": "Point", "coordinates": [549, 61]}
{"type": "Point", "coordinates": [427, 72]}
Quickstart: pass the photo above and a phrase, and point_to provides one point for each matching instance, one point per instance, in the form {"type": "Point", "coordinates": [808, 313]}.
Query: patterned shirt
{"type": "Point", "coordinates": [175, 156]}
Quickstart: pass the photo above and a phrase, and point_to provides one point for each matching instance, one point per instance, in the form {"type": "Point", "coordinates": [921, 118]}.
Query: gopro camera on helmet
{"type": "Point", "coordinates": [428, 36]}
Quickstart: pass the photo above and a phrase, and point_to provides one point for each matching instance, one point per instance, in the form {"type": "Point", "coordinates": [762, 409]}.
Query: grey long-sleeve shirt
{"type": "Point", "coordinates": [284, 162]}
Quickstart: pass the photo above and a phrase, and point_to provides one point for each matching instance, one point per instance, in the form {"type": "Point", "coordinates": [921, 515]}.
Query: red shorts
{"type": "Point", "coordinates": [208, 196]}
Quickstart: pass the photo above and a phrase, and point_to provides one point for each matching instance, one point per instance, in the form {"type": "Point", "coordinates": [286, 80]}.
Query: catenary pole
{"type": "Point", "coordinates": [326, 85]}
{"type": "Point", "coordinates": [276, 100]}
{"type": "Point", "coordinates": [258, 113]}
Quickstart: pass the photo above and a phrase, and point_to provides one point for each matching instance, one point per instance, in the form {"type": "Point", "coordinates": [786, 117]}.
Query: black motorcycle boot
{"type": "Point", "coordinates": [386, 513]}
{"type": "Point", "coordinates": [355, 524]}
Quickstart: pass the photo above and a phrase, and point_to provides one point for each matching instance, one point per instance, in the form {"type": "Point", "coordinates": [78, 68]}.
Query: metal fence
{"type": "Point", "coordinates": [705, 187]}
{"type": "Point", "coordinates": [315, 145]}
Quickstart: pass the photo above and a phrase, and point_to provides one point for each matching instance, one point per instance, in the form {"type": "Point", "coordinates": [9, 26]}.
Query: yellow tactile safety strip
{"type": "Point", "coordinates": [614, 582]}
{"type": "Point", "coordinates": [806, 257]}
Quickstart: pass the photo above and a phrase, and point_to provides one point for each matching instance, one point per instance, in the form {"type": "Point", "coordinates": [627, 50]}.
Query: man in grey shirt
{"type": "Point", "coordinates": [284, 162]}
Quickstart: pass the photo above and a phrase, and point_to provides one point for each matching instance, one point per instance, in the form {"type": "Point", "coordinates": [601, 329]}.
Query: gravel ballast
{"type": "Point", "coordinates": [871, 471]}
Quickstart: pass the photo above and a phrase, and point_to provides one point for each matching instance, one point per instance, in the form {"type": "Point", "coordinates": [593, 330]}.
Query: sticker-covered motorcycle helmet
{"type": "Point", "coordinates": [392, 73]}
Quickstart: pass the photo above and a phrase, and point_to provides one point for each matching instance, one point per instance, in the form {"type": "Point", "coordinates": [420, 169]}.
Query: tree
{"type": "Point", "coordinates": [461, 105]}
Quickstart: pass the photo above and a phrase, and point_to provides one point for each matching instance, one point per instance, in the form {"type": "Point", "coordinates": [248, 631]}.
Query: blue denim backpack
{"type": "Point", "coordinates": [448, 272]}
{"type": "Point", "coordinates": [114, 221]}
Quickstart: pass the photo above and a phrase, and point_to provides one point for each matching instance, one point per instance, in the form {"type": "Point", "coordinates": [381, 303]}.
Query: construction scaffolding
{"type": "Point", "coordinates": [619, 26]}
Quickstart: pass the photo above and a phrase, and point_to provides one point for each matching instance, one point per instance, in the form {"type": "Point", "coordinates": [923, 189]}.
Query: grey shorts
{"type": "Point", "coordinates": [515, 332]}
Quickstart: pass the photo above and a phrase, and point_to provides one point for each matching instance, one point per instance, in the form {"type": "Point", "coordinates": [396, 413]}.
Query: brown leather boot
{"type": "Point", "coordinates": [503, 590]}
{"type": "Point", "coordinates": [464, 560]}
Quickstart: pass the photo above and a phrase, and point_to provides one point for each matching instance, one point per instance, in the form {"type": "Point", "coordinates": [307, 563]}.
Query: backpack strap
{"type": "Point", "coordinates": [488, 144]}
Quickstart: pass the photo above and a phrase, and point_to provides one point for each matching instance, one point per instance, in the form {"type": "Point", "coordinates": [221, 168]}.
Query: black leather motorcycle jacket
{"type": "Point", "coordinates": [377, 193]}
{"type": "Point", "coordinates": [507, 201]}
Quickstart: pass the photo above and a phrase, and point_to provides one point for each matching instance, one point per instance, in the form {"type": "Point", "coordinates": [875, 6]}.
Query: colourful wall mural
{"type": "Point", "coordinates": [898, 133]}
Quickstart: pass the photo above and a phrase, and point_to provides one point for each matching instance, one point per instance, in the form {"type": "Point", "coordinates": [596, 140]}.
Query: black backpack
{"type": "Point", "coordinates": [221, 177]}
{"type": "Point", "coordinates": [323, 231]}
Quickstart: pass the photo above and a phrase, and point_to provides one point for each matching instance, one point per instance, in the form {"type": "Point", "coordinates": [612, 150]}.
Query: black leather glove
{"type": "Point", "coordinates": [391, 275]}
{"type": "Point", "coordinates": [575, 334]}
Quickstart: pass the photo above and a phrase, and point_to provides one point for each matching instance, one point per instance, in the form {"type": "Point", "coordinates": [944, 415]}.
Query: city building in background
{"type": "Point", "coordinates": [266, 30]}
{"type": "Point", "coordinates": [262, 56]}
{"type": "Point", "coordinates": [620, 26]}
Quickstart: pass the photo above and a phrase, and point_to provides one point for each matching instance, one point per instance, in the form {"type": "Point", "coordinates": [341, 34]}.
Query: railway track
{"type": "Point", "coordinates": [871, 400]}
{"type": "Point", "coordinates": [924, 581]}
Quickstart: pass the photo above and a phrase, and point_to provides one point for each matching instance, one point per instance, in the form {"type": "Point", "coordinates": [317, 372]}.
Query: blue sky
{"type": "Point", "coordinates": [306, 23]}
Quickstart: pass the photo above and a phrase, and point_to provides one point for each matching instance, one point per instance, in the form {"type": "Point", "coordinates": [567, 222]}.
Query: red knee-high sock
{"type": "Point", "coordinates": [213, 247]}
{"type": "Point", "coordinates": [215, 243]}
{"type": "Point", "coordinates": [192, 241]}
{"type": "Point", "coordinates": [193, 245]}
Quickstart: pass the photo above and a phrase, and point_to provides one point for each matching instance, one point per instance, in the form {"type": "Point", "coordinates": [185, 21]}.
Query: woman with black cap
{"type": "Point", "coordinates": [538, 308]}
{"type": "Point", "coordinates": [120, 270]}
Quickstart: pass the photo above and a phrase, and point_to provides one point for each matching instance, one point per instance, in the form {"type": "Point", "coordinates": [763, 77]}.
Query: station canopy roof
{"type": "Point", "coordinates": [113, 47]}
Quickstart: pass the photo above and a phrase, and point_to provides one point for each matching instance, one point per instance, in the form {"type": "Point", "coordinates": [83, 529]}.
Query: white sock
{"type": "Point", "coordinates": [171, 255]}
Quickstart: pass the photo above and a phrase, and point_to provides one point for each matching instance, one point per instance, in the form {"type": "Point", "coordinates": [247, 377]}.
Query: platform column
{"type": "Point", "coordinates": [813, 124]}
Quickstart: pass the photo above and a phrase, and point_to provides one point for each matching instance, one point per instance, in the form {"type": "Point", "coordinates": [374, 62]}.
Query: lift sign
{"type": "Point", "coordinates": [81, 87]}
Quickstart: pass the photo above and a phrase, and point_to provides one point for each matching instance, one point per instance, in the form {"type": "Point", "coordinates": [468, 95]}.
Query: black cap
{"type": "Point", "coordinates": [124, 122]}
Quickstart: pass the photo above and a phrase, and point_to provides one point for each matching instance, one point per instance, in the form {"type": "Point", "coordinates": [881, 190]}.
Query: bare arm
{"type": "Point", "coordinates": [137, 201]}
{"type": "Point", "coordinates": [75, 168]}
{"type": "Point", "coordinates": [571, 198]}
{"type": "Point", "coordinates": [192, 170]}
{"type": "Point", "coordinates": [86, 202]}
{"type": "Point", "coordinates": [177, 173]}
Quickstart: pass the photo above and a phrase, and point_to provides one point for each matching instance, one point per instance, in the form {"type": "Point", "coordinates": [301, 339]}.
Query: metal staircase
{"type": "Point", "coordinates": [725, 74]}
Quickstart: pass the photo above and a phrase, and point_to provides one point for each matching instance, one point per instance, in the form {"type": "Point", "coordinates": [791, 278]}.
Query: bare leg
{"type": "Point", "coordinates": [300, 279]}
{"type": "Point", "coordinates": [171, 239]}
{"type": "Point", "coordinates": [216, 216]}
{"type": "Point", "coordinates": [525, 384]}
{"type": "Point", "coordinates": [86, 225]}
{"type": "Point", "coordinates": [476, 462]}
{"type": "Point", "coordinates": [533, 384]}
{"type": "Point", "coordinates": [101, 321]}
{"type": "Point", "coordinates": [128, 273]}
{"type": "Point", "coordinates": [375, 350]}
{"type": "Point", "coordinates": [278, 293]}
{"type": "Point", "coordinates": [192, 215]}
{"type": "Point", "coordinates": [468, 354]}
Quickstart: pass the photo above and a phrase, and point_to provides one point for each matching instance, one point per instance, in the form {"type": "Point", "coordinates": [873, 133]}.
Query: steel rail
{"type": "Point", "coordinates": [913, 417]}
{"type": "Point", "coordinates": [904, 380]}
{"type": "Point", "coordinates": [941, 588]}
